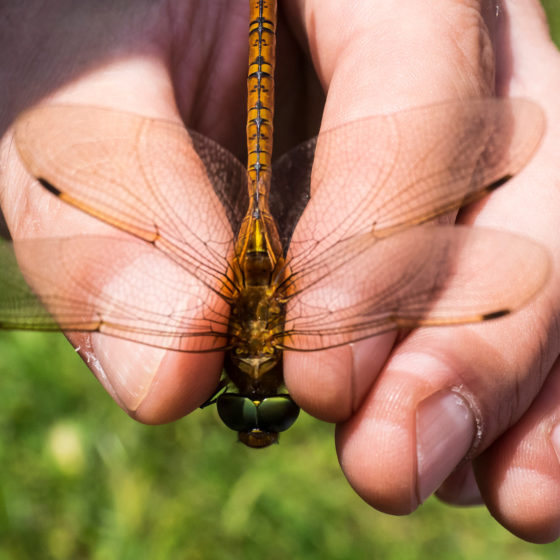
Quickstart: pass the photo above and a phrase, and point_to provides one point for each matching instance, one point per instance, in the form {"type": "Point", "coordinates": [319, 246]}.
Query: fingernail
{"type": "Point", "coordinates": [129, 368]}
{"type": "Point", "coordinates": [460, 488]}
{"type": "Point", "coordinates": [445, 429]}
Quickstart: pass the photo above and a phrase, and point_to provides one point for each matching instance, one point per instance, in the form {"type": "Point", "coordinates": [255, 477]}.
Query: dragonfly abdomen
{"type": "Point", "coordinates": [260, 89]}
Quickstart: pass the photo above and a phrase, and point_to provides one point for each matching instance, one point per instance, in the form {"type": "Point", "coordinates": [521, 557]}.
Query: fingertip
{"type": "Point", "coordinates": [519, 474]}
{"type": "Point", "coordinates": [528, 504]}
{"type": "Point", "coordinates": [377, 458]}
{"type": "Point", "coordinates": [332, 384]}
{"type": "Point", "coordinates": [320, 382]}
{"type": "Point", "coordinates": [183, 383]}
{"type": "Point", "coordinates": [407, 437]}
{"type": "Point", "coordinates": [377, 446]}
{"type": "Point", "coordinates": [155, 385]}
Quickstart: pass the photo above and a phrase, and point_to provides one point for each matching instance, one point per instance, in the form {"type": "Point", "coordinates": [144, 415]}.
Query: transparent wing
{"type": "Point", "coordinates": [355, 269]}
{"type": "Point", "coordinates": [124, 287]}
{"type": "Point", "coordinates": [385, 173]}
{"type": "Point", "coordinates": [426, 275]}
{"type": "Point", "coordinates": [175, 189]}
{"type": "Point", "coordinates": [289, 192]}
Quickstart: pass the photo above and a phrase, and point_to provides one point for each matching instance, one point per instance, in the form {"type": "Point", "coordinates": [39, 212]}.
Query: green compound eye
{"type": "Point", "coordinates": [237, 412]}
{"type": "Point", "coordinates": [242, 414]}
{"type": "Point", "coordinates": [276, 414]}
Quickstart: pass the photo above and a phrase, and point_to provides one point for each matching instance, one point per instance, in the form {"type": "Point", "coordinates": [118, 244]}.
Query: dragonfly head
{"type": "Point", "coordinates": [257, 421]}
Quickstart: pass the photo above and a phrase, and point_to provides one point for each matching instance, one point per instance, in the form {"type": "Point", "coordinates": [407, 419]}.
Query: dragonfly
{"type": "Point", "coordinates": [230, 260]}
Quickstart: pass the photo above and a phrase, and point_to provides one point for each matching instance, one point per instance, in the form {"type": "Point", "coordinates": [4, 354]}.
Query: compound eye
{"type": "Point", "coordinates": [237, 412]}
{"type": "Point", "coordinates": [277, 414]}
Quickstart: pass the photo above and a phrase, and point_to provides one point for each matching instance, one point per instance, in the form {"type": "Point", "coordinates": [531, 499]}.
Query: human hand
{"type": "Point", "coordinates": [478, 397]}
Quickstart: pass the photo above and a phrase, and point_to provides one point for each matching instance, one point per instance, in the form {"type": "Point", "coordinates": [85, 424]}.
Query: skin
{"type": "Point", "coordinates": [470, 410]}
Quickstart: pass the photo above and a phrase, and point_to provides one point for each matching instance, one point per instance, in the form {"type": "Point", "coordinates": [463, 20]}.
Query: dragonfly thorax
{"type": "Point", "coordinates": [256, 321]}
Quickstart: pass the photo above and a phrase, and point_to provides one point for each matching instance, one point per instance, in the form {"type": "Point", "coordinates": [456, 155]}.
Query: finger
{"type": "Point", "coordinates": [448, 394]}
{"type": "Point", "coordinates": [152, 384]}
{"type": "Point", "coordinates": [519, 475]}
{"type": "Point", "coordinates": [385, 58]}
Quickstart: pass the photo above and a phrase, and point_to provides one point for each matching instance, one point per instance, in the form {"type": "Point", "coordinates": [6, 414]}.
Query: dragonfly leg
{"type": "Point", "coordinates": [221, 387]}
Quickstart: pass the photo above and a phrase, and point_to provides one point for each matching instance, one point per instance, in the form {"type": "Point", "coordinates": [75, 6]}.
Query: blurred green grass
{"type": "Point", "coordinates": [80, 480]}
{"type": "Point", "coordinates": [552, 8]}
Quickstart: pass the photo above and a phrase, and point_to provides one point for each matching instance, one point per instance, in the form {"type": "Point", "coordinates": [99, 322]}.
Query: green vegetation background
{"type": "Point", "coordinates": [80, 480]}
